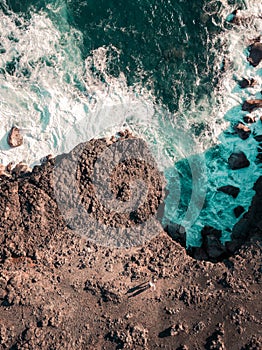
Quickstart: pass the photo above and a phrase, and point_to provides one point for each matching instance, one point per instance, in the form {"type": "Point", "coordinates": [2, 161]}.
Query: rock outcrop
{"type": "Point", "coordinates": [238, 160]}
{"type": "Point", "coordinates": [60, 289]}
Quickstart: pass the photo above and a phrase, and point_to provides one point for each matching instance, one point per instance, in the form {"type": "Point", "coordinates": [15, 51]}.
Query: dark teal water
{"type": "Point", "coordinates": [165, 39]}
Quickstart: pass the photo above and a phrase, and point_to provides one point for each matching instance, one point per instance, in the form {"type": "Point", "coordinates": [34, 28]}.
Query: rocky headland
{"type": "Point", "coordinates": [59, 289]}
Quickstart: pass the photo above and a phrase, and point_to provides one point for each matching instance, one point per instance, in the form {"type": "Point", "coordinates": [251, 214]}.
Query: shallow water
{"type": "Point", "coordinates": [73, 70]}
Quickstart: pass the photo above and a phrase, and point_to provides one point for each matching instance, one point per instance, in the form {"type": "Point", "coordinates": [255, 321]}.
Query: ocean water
{"type": "Point", "coordinates": [166, 69]}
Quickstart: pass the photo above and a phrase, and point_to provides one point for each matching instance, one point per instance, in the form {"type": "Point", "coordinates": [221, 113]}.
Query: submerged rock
{"type": "Point", "coordinates": [230, 190]}
{"type": "Point", "coordinates": [242, 130]}
{"type": "Point", "coordinates": [251, 105]}
{"type": "Point", "coordinates": [15, 139]}
{"type": "Point", "coordinates": [239, 210]}
{"type": "Point", "coordinates": [238, 160]}
{"type": "Point", "coordinates": [255, 55]}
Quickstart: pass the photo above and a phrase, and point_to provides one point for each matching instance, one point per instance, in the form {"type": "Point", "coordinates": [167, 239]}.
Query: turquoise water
{"type": "Point", "coordinates": [73, 70]}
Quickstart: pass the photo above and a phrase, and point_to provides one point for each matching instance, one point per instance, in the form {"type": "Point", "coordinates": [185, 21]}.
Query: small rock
{"type": "Point", "coordinates": [242, 130]}
{"type": "Point", "coordinates": [249, 119]}
{"type": "Point", "coordinates": [258, 138]}
{"type": "Point", "coordinates": [15, 139]}
{"type": "Point", "coordinates": [238, 211]}
{"type": "Point", "coordinates": [245, 83]}
{"type": "Point", "coordinates": [238, 160]}
{"type": "Point", "coordinates": [230, 190]}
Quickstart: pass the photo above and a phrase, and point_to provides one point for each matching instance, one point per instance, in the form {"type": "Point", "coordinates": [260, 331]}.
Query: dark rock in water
{"type": "Point", "coordinates": [251, 105]}
{"type": "Point", "coordinates": [15, 139]}
{"type": "Point", "coordinates": [230, 190]}
{"type": "Point", "coordinates": [239, 210]}
{"type": "Point", "coordinates": [177, 233]}
{"type": "Point", "coordinates": [255, 55]}
{"type": "Point", "coordinates": [245, 83]}
{"type": "Point", "coordinates": [249, 119]}
{"type": "Point", "coordinates": [242, 130]}
{"type": "Point", "coordinates": [258, 138]}
{"type": "Point", "coordinates": [238, 160]}
{"type": "Point", "coordinates": [211, 243]}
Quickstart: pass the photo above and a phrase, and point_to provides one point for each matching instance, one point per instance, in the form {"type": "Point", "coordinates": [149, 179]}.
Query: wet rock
{"type": "Point", "coordinates": [249, 119]}
{"type": "Point", "coordinates": [239, 210]}
{"type": "Point", "coordinates": [238, 160]}
{"type": "Point", "coordinates": [211, 243]}
{"type": "Point", "coordinates": [251, 105]}
{"type": "Point", "coordinates": [245, 83]}
{"type": "Point", "coordinates": [255, 55]}
{"type": "Point", "coordinates": [230, 190]}
{"type": "Point", "coordinates": [243, 131]}
{"type": "Point", "coordinates": [15, 139]}
{"type": "Point", "coordinates": [177, 233]}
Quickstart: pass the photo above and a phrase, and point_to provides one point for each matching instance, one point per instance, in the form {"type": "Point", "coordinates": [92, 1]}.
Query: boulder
{"type": "Point", "coordinates": [242, 130]}
{"type": "Point", "coordinates": [230, 190]}
{"type": "Point", "coordinates": [255, 55]}
{"type": "Point", "coordinates": [238, 160]}
{"type": "Point", "coordinates": [245, 83]}
{"type": "Point", "coordinates": [251, 105]}
{"type": "Point", "coordinates": [15, 139]}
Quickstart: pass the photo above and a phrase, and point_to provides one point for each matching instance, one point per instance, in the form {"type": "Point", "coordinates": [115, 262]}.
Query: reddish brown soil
{"type": "Point", "coordinates": [59, 290]}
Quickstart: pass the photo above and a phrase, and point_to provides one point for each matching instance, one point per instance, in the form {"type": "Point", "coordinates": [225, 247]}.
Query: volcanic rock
{"type": "Point", "coordinates": [242, 130]}
{"type": "Point", "coordinates": [255, 55]}
{"type": "Point", "coordinates": [238, 160]}
{"type": "Point", "coordinates": [251, 105]}
{"type": "Point", "coordinates": [15, 139]}
{"type": "Point", "coordinates": [60, 289]}
{"type": "Point", "coordinates": [230, 190]}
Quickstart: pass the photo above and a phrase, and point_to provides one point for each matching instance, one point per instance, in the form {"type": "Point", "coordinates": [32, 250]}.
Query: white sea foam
{"type": "Point", "coordinates": [53, 114]}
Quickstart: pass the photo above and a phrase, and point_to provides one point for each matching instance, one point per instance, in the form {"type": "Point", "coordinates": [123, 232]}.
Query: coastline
{"type": "Point", "coordinates": [145, 297]}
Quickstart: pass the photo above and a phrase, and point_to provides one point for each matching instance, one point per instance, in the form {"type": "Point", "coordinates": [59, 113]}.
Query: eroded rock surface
{"type": "Point", "coordinates": [61, 290]}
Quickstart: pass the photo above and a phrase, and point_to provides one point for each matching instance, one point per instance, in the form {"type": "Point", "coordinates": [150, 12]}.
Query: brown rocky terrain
{"type": "Point", "coordinates": [60, 289]}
